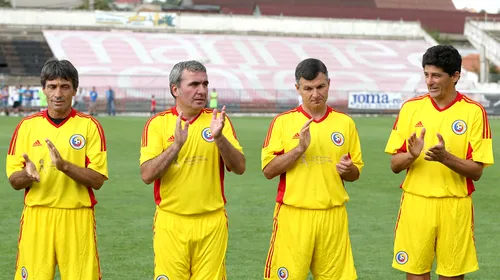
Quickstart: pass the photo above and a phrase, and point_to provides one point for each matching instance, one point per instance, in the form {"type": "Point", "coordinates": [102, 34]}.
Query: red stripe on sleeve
{"type": "Point", "coordinates": [93, 201]}
{"type": "Point", "coordinates": [395, 126]}
{"type": "Point", "coordinates": [269, 132]}
{"type": "Point", "coordinates": [13, 141]}
{"type": "Point", "coordinates": [101, 134]}
{"type": "Point", "coordinates": [232, 127]}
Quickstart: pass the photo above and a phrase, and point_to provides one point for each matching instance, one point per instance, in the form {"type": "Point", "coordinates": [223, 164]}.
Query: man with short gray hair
{"type": "Point", "coordinates": [184, 151]}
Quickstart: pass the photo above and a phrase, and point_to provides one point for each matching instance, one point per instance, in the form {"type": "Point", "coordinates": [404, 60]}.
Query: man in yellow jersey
{"type": "Point", "coordinates": [58, 156]}
{"type": "Point", "coordinates": [313, 149]}
{"type": "Point", "coordinates": [184, 151]}
{"type": "Point", "coordinates": [213, 99]}
{"type": "Point", "coordinates": [443, 141]}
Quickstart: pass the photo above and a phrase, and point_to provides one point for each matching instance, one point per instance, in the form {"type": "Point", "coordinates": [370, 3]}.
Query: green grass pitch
{"type": "Point", "coordinates": [126, 206]}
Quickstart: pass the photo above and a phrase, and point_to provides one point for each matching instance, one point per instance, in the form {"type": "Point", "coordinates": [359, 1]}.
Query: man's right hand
{"type": "Point", "coordinates": [416, 145]}
{"type": "Point", "coordinates": [30, 169]}
{"type": "Point", "coordinates": [305, 136]}
{"type": "Point", "coordinates": [181, 134]}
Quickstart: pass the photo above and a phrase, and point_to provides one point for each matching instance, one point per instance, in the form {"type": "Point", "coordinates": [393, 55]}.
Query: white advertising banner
{"type": "Point", "coordinates": [145, 19]}
{"type": "Point", "coordinates": [375, 100]}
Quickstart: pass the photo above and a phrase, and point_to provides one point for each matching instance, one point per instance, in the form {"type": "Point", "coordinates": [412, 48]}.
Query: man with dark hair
{"type": "Point", "coordinates": [443, 141]}
{"type": "Point", "coordinates": [184, 150]}
{"type": "Point", "coordinates": [58, 156]}
{"type": "Point", "coordinates": [313, 149]}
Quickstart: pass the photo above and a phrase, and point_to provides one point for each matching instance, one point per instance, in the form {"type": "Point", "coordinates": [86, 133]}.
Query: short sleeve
{"type": "Point", "coordinates": [15, 161]}
{"type": "Point", "coordinates": [273, 144]}
{"type": "Point", "coordinates": [480, 143]}
{"type": "Point", "coordinates": [397, 139]}
{"type": "Point", "coordinates": [151, 142]}
{"type": "Point", "coordinates": [230, 133]}
{"type": "Point", "coordinates": [96, 152]}
{"type": "Point", "coordinates": [355, 146]}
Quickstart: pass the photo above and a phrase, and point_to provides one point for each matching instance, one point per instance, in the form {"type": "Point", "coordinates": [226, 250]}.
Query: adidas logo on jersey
{"type": "Point", "coordinates": [419, 124]}
{"type": "Point", "coordinates": [171, 139]}
{"type": "Point", "coordinates": [37, 144]}
{"type": "Point", "coordinates": [296, 136]}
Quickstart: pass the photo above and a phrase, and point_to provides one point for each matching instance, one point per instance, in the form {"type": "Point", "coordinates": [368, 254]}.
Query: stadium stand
{"type": "Point", "coordinates": [251, 69]}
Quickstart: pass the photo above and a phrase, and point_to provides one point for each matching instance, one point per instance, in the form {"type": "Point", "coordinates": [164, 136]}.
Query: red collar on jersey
{"type": "Point", "coordinates": [328, 111]}
{"type": "Point", "coordinates": [174, 111]}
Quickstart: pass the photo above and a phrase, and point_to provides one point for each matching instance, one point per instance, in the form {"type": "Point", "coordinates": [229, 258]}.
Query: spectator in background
{"type": "Point", "coordinates": [43, 100]}
{"type": "Point", "coordinates": [213, 99]}
{"type": "Point", "coordinates": [110, 102]}
{"type": "Point", "coordinates": [4, 100]}
{"type": "Point", "coordinates": [27, 100]}
{"type": "Point", "coordinates": [93, 102]}
{"type": "Point", "coordinates": [17, 106]}
{"type": "Point", "coordinates": [153, 105]}
{"type": "Point", "coordinates": [79, 101]}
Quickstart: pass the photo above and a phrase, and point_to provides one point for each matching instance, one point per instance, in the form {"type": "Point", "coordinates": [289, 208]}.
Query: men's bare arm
{"type": "Point", "coordinates": [81, 175]}
{"type": "Point", "coordinates": [281, 163]}
{"type": "Point", "coordinates": [401, 161]}
{"type": "Point", "coordinates": [24, 178]}
{"type": "Point", "coordinates": [467, 168]}
{"type": "Point", "coordinates": [155, 168]}
{"type": "Point", "coordinates": [233, 158]}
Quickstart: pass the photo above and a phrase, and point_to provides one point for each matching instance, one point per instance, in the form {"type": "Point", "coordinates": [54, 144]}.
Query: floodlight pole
{"type": "Point", "coordinates": [91, 5]}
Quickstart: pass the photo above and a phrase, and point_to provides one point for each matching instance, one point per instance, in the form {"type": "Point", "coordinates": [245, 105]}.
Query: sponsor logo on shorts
{"type": "Point", "coordinates": [162, 277]}
{"type": "Point", "coordinates": [401, 257]}
{"type": "Point", "coordinates": [24, 273]}
{"type": "Point", "coordinates": [206, 134]}
{"type": "Point", "coordinates": [282, 273]}
{"type": "Point", "coordinates": [338, 138]}
{"type": "Point", "coordinates": [459, 127]}
{"type": "Point", "coordinates": [77, 141]}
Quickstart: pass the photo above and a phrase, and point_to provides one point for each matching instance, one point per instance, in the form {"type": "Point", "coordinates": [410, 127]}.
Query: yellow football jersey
{"type": "Point", "coordinates": [466, 133]}
{"type": "Point", "coordinates": [79, 139]}
{"type": "Point", "coordinates": [194, 182]}
{"type": "Point", "coordinates": [313, 181]}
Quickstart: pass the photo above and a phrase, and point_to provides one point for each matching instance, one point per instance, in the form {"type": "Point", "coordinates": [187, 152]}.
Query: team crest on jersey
{"type": "Point", "coordinates": [338, 139]}
{"type": "Point", "coordinates": [459, 127]}
{"type": "Point", "coordinates": [162, 277]}
{"type": "Point", "coordinates": [24, 273]}
{"type": "Point", "coordinates": [401, 257]}
{"type": "Point", "coordinates": [206, 134]}
{"type": "Point", "coordinates": [282, 273]}
{"type": "Point", "coordinates": [77, 141]}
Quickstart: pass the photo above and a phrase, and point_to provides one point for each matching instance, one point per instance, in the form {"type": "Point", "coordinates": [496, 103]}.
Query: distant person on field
{"type": "Point", "coordinates": [442, 140]}
{"type": "Point", "coordinates": [79, 100]}
{"type": "Point", "coordinates": [213, 99]}
{"type": "Point", "coordinates": [313, 150]}
{"type": "Point", "coordinates": [58, 157]}
{"type": "Point", "coordinates": [93, 102]}
{"type": "Point", "coordinates": [4, 100]}
{"type": "Point", "coordinates": [28, 100]}
{"type": "Point", "coordinates": [153, 105]}
{"type": "Point", "coordinates": [185, 151]}
{"type": "Point", "coordinates": [110, 102]}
